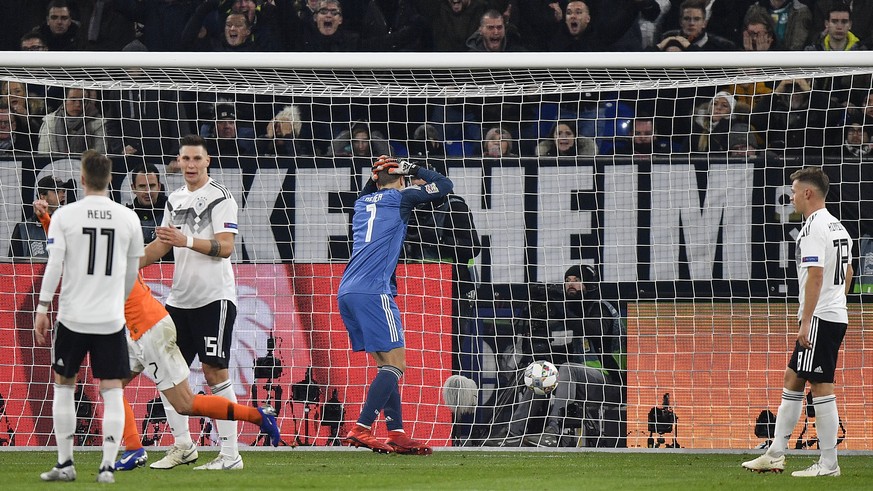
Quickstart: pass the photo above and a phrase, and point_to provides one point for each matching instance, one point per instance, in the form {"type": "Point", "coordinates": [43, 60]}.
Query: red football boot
{"type": "Point", "coordinates": [402, 444]}
{"type": "Point", "coordinates": [362, 437]}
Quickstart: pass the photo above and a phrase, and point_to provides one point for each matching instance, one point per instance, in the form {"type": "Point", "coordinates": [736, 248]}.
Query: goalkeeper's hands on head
{"type": "Point", "coordinates": [394, 166]}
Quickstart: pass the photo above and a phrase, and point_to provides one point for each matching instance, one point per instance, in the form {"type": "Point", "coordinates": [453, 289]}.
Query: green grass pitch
{"type": "Point", "coordinates": [449, 470]}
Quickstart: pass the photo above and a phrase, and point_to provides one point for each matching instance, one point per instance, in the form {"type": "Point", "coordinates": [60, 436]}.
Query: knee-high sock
{"type": "Point", "coordinates": [216, 407]}
{"type": "Point", "coordinates": [131, 437]}
{"type": "Point", "coordinates": [383, 384]}
{"type": "Point", "coordinates": [827, 423]}
{"type": "Point", "coordinates": [786, 420]}
{"type": "Point", "coordinates": [64, 415]}
{"type": "Point", "coordinates": [113, 424]}
{"type": "Point", "coordinates": [394, 411]}
{"type": "Point", "coordinates": [228, 431]}
{"type": "Point", "coordinates": [178, 424]}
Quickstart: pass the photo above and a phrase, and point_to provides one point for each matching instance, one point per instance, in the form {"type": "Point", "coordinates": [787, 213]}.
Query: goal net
{"type": "Point", "coordinates": [660, 181]}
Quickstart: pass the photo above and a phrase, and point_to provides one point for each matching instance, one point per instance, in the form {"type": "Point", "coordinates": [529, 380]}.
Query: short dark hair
{"type": "Point", "coordinates": [192, 141]}
{"type": "Point", "coordinates": [33, 35]}
{"type": "Point", "coordinates": [96, 169]}
{"type": "Point", "coordinates": [57, 4]}
{"type": "Point", "coordinates": [814, 176]}
{"type": "Point", "coordinates": [144, 169]}
{"type": "Point", "coordinates": [840, 8]}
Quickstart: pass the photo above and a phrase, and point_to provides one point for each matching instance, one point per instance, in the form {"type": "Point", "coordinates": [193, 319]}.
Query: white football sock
{"type": "Point", "coordinates": [786, 420]}
{"type": "Point", "coordinates": [113, 424]}
{"type": "Point", "coordinates": [178, 425]}
{"type": "Point", "coordinates": [64, 415]}
{"type": "Point", "coordinates": [827, 423]}
{"type": "Point", "coordinates": [228, 431]}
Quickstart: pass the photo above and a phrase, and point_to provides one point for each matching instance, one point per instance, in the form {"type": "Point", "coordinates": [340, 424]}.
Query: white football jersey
{"type": "Point", "coordinates": [199, 279]}
{"type": "Point", "coordinates": [824, 242]}
{"type": "Point", "coordinates": [97, 238]}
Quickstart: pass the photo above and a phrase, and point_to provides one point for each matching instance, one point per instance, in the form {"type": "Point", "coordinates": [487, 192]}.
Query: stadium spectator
{"type": "Point", "coordinates": [59, 30]}
{"type": "Point", "coordinates": [426, 142]}
{"type": "Point", "coordinates": [824, 272]}
{"type": "Point", "coordinates": [149, 201]}
{"type": "Point", "coordinates": [492, 36]}
{"type": "Point", "coordinates": [712, 122]}
{"type": "Point", "coordinates": [576, 32]}
{"type": "Point", "coordinates": [329, 33]}
{"type": "Point", "coordinates": [367, 289]}
{"type": "Point", "coordinates": [91, 316]}
{"type": "Point", "coordinates": [723, 17]}
{"type": "Point", "coordinates": [394, 25]}
{"type": "Point", "coordinates": [644, 142]}
{"type": "Point", "coordinates": [498, 142]}
{"type": "Point", "coordinates": [584, 337]}
{"type": "Point", "coordinates": [33, 41]}
{"type": "Point", "coordinates": [28, 237]}
{"type": "Point", "coordinates": [856, 142]}
{"type": "Point", "coordinates": [102, 27]}
{"type": "Point", "coordinates": [452, 22]}
{"type": "Point", "coordinates": [790, 124]}
{"type": "Point", "coordinates": [359, 141]}
{"type": "Point", "coordinates": [11, 139]}
{"type": "Point", "coordinates": [163, 22]}
{"type": "Point", "coordinates": [759, 34]}
{"type": "Point", "coordinates": [200, 225]}
{"type": "Point", "coordinates": [791, 18]}
{"type": "Point", "coordinates": [27, 104]}
{"type": "Point", "coordinates": [861, 16]}
{"type": "Point", "coordinates": [838, 35]}
{"type": "Point", "coordinates": [225, 138]}
{"type": "Point", "coordinates": [285, 135]}
{"type": "Point", "coordinates": [563, 142]}
{"type": "Point", "coordinates": [692, 26]}
{"type": "Point", "coordinates": [236, 34]}
{"type": "Point", "coordinates": [70, 129]}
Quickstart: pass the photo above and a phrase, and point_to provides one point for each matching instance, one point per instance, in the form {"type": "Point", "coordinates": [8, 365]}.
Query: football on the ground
{"type": "Point", "coordinates": [541, 377]}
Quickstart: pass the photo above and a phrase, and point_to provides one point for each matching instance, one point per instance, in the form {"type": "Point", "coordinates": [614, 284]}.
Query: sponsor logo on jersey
{"type": "Point", "coordinates": [230, 225]}
{"type": "Point", "coordinates": [431, 188]}
{"type": "Point", "coordinates": [809, 259]}
{"type": "Point", "coordinates": [50, 240]}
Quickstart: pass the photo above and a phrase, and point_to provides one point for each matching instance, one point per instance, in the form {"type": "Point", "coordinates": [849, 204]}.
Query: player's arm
{"type": "Point", "coordinates": [50, 279]}
{"type": "Point", "coordinates": [850, 272]}
{"type": "Point", "coordinates": [220, 246]}
{"type": "Point", "coordinates": [437, 185]}
{"type": "Point", "coordinates": [812, 292]}
{"type": "Point", "coordinates": [154, 252]}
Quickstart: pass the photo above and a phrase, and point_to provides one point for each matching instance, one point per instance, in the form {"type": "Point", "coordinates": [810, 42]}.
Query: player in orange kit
{"type": "Point", "coordinates": [151, 343]}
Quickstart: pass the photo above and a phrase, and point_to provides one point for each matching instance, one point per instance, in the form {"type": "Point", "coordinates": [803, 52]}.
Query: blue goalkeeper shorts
{"type": "Point", "coordinates": [372, 320]}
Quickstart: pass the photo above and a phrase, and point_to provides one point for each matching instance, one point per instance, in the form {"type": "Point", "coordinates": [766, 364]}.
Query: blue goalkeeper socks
{"type": "Point", "coordinates": [383, 385]}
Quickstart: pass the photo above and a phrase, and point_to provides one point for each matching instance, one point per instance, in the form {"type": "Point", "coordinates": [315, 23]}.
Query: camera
{"type": "Point", "coordinates": [306, 390]}
{"type": "Point", "coordinates": [268, 367]}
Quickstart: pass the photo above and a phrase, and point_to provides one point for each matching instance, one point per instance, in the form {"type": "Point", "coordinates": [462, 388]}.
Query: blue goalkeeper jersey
{"type": "Point", "coordinates": [379, 229]}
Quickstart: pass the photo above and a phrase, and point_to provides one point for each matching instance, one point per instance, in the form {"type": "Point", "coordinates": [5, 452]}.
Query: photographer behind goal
{"type": "Point", "coordinates": [584, 337]}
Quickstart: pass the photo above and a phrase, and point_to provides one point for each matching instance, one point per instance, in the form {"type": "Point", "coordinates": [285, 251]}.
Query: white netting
{"type": "Point", "coordinates": [691, 235]}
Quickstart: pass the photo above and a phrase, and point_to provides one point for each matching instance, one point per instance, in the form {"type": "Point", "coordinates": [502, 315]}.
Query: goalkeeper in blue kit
{"type": "Point", "coordinates": [367, 290]}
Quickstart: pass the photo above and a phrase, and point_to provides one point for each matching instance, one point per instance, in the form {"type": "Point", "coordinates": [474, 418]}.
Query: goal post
{"type": "Point", "coordinates": [690, 232]}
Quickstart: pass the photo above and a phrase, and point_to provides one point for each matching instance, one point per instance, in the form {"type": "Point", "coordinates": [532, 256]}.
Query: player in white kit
{"type": "Point", "coordinates": [96, 243]}
{"type": "Point", "coordinates": [824, 272]}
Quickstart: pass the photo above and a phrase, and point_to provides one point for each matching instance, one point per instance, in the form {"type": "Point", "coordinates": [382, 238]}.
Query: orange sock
{"type": "Point", "coordinates": [217, 407]}
{"type": "Point", "coordinates": [132, 441]}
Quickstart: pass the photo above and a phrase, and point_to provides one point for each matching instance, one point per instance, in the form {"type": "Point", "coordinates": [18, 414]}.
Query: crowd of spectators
{"type": "Point", "coordinates": [435, 25]}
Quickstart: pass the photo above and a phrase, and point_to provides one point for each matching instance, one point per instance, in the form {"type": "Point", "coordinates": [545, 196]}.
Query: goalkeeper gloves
{"type": "Point", "coordinates": [394, 166]}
